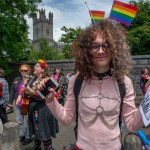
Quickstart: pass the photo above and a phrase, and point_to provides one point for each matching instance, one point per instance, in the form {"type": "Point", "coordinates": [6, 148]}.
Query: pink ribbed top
{"type": "Point", "coordinates": [99, 107]}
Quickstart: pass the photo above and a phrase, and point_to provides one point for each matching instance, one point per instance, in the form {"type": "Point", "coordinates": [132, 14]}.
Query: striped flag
{"type": "Point", "coordinates": [96, 16]}
{"type": "Point", "coordinates": [123, 13]}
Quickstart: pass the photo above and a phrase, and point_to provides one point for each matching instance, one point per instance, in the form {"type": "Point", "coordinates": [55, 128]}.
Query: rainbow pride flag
{"type": "Point", "coordinates": [123, 13]}
{"type": "Point", "coordinates": [96, 16]}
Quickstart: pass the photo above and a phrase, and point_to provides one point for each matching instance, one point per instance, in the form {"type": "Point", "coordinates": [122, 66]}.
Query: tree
{"type": "Point", "coordinates": [67, 38]}
{"type": "Point", "coordinates": [139, 32]}
{"type": "Point", "coordinates": [15, 45]}
{"type": "Point", "coordinates": [45, 51]}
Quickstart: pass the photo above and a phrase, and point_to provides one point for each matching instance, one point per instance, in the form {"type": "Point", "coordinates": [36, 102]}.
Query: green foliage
{"type": "Point", "coordinates": [70, 34]}
{"type": "Point", "coordinates": [139, 32]}
{"type": "Point", "coordinates": [45, 52]}
{"type": "Point", "coordinates": [140, 40]}
{"type": "Point", "coordinates": [15, 45]}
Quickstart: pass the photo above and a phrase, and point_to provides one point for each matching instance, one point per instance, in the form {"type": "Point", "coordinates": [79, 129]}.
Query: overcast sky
{"type": "Point", "coordinates": [71, 13]}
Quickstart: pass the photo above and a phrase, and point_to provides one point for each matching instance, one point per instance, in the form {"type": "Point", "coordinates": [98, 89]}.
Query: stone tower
{"type": "Point", "coordinates": [42, 28]}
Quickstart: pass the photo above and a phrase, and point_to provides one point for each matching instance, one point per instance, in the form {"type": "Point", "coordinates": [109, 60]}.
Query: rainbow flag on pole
{"type": "Point", "coordinates": [123, 12]}
{"type": "Point", "coordinates": [96, 16]}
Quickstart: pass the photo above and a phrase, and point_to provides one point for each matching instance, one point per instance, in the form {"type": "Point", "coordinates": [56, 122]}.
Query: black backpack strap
{"type": "Point", "coordinates": [122, 91]}
{"type": "Point", "coordinates": [76, 89]}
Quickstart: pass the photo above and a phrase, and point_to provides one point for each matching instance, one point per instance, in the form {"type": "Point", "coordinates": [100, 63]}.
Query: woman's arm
{"type": "Point", "coordinates": [131, 115]}
{"type": "Point", "coordinates": [63, 114]}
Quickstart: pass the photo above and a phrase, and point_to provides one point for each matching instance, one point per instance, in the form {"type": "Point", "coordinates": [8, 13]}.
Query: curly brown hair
{"type": "Point", "coordinates": [115, 35]}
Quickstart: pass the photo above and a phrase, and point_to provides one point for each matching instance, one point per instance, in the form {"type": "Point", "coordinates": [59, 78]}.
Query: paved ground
{"type": "Point", "coordinates": [64, 137]}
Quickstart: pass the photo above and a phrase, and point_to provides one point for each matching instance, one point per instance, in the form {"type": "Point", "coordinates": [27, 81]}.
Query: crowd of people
{"type": "Point", "coordinates": [35, 120]}
{"type": "Point", "coordinates": [102, 63]}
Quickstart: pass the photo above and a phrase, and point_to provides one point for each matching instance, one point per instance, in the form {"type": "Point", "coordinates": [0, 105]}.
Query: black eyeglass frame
{"type": "Point", "coordinates": [95, 47]}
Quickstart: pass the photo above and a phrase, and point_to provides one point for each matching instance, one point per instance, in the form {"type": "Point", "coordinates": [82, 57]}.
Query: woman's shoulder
{"type": "Point", "coordinates": [73, 78]}
{"type": "Point", "coordinates": [128, 81]}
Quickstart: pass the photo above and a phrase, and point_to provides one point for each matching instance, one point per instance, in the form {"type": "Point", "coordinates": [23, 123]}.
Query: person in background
{"type": "Point", "coordinates": [42, 123]}
{"type": "Point", "coordinates": [58, 75]}
{"type": "Point", "coordinates": [61, 94]}
{"type": "Point", "coordinates": [55, 74]}
{"type": "Point", "coordinates": [143, 80]}
{"type": "Point", "coordinates": [66, 81]}
{"type": "Point", "coordinates": [103, 59]}
{"type": "Point", "coordinates": [15, 94]}
{"type": "Point", "coordinates": [4, 96]}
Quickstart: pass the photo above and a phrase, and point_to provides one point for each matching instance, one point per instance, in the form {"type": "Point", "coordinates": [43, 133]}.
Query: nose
{"type": "Point", "coordinates": [100, 50]}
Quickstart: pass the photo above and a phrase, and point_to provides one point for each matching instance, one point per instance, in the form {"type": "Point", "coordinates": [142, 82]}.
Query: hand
{"type": "Point", "coordinates": [42, 83]}
{"type": "Point", "coordinates": [51, 96]}
{"type": "Point", "coordinates": [18, 99]}
{"type": "Point", "coordinates": [9, 106]}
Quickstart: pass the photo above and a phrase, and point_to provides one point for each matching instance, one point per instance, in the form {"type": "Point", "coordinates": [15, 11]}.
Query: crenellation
{"type": "Point", "coordinates": [43, 28]}
{"type": "Point", "coordinates": [51, 17]}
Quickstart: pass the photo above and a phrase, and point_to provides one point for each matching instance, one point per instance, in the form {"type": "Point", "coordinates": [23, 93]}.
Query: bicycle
{"type": "Point", "coordinates": [143, 138]}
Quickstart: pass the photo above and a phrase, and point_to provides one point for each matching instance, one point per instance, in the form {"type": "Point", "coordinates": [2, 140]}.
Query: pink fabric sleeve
{"type": "Point", "coordinates": [131, 115]}
{"type": "Point", "coordinates": [65, 114]}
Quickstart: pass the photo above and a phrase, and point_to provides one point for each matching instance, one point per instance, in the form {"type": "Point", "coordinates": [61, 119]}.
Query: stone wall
{"type": "Point", "coordinates": [139, 62]}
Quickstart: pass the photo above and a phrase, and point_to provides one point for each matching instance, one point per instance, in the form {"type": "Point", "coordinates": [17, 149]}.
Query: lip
{"type": "Point", "coordinates": [101, 57]}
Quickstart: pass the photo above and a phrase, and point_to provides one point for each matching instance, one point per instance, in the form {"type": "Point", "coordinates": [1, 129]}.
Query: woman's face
{"type": "Point", "coordinates": [146, 71]}
{"type": "Point", "coordinates": [57, 71]}
{"type": "Point", "coordinates": [38, 70]}
{"type": "Point", "coordinates": [101, 54]}
{"type": "Point", "coordinates": [24, 71]}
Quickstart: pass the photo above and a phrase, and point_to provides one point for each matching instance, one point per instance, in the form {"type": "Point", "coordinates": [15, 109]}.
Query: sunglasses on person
{"type": "Point", "coordinates": [24, 70]}
{"type": "Point", "coordinates": [95, 47]}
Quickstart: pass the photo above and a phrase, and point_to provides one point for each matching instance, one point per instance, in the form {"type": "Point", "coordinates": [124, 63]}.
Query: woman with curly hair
{"type": "Point", "coordinates": [42, 123]}
{"type": "Point", "coordinates": [102, 59]}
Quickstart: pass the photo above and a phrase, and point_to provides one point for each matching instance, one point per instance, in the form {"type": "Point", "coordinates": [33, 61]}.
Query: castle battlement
{"type": "Point", "coordinates": [42, 17]}
{"type": "Point", "coordinates": [43, 28]}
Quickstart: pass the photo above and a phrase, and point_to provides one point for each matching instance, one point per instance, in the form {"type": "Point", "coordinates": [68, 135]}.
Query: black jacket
{"type": "Point", "coordinates": [14, 89]}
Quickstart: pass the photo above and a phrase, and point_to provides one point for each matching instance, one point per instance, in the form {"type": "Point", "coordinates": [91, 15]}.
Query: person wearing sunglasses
{"type": "Point", "coordinates": [103, 60]}
{"type": "Point", "coordinates": [15, 95]}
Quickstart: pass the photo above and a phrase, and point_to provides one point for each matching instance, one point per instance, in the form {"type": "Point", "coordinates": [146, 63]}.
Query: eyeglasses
{"type": "Point", "coordinates": [24, 70]}
{"type": "Point", "coordinates": [95, 47]}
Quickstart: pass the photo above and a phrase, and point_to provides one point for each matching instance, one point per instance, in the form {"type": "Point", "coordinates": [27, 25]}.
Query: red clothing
{"type": "Point", "coordinates": [77, 148]}
{"type": "Point", "coordinates": [144, 79]}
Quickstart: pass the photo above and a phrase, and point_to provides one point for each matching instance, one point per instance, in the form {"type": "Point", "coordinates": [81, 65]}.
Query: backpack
{"type": "Point", "coordinates": [1, 88]}
{"type": "Point", "coordinates": [77, 88]}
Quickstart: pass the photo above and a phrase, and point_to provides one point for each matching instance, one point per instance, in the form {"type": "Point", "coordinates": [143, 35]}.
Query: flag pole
{"type": "Point", "coordinates": [90, 13]}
